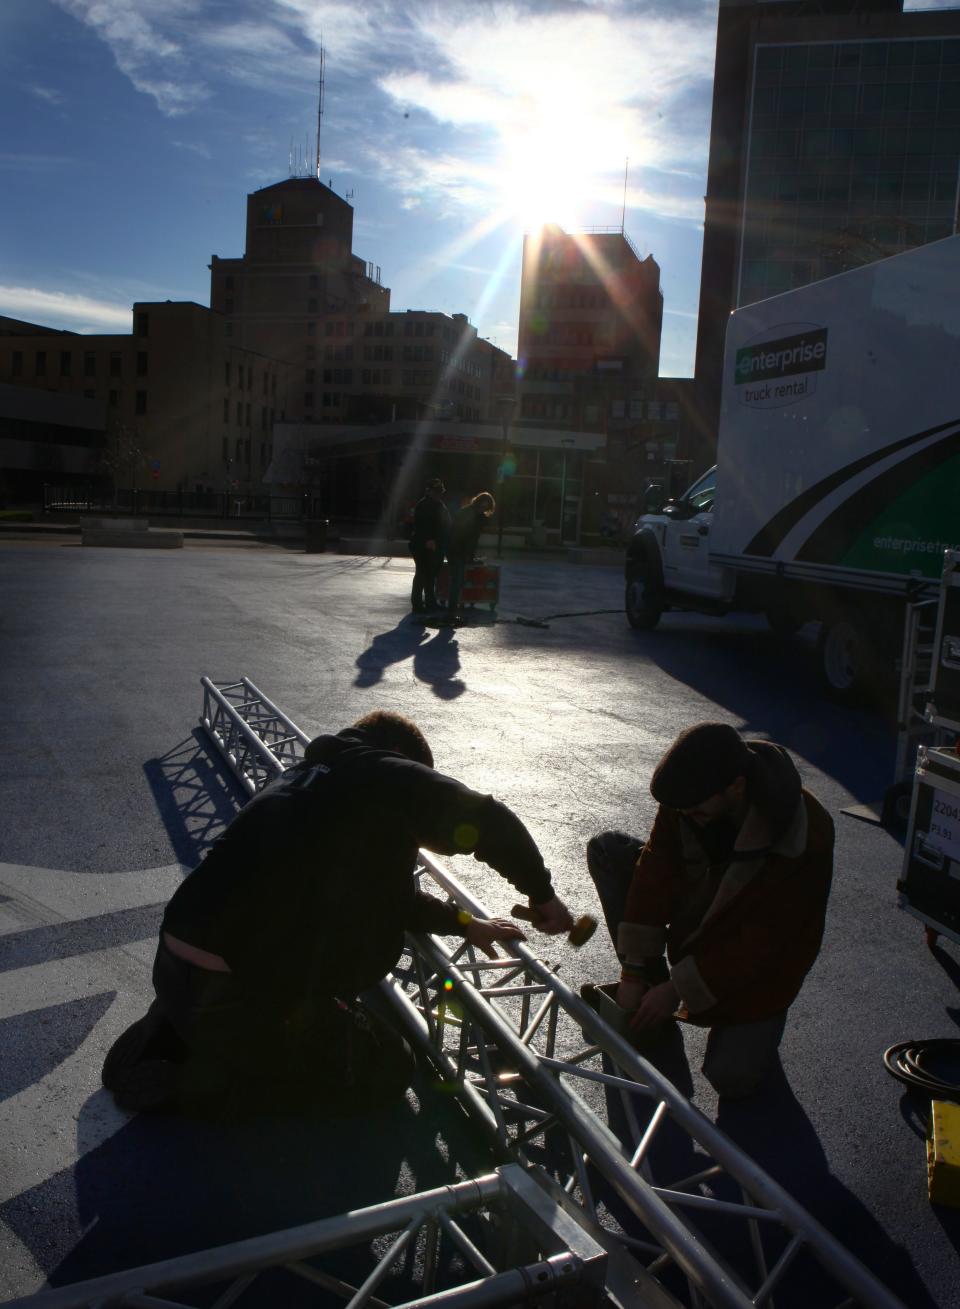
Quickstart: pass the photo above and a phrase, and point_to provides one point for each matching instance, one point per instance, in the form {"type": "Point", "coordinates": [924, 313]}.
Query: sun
{"type": "Point", "coordinates": [544, 176]}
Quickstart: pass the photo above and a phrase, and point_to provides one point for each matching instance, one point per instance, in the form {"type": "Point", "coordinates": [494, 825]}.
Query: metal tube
{"type": "Point", "coordinates": [845, 1267]}
{"type": "Point", "coordinates": [654, 1212]}
{"type": "Point", "coordinates": [296, 1243]}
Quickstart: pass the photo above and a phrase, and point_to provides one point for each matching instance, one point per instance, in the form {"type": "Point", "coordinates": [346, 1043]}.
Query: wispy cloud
{"type": "Point", "coordinates": [154, 62]}
{"type": "Point", "coordinates": [61, 309]}
{"type": "Point", "coordinates": [48, 93]}
{"type": "Point", "coordinates": [195, 147]}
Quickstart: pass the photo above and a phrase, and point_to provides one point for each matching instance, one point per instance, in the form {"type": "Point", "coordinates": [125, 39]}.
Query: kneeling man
{"type": "Point", "coordinates": [733, 883]}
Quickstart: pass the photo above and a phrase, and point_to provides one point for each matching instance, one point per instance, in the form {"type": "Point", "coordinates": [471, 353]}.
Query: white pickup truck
{"type": "Point", "coordinates": [837, 484]}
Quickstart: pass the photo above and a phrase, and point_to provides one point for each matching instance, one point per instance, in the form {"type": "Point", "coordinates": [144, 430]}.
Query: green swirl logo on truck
{"type": "Point", "coordinates": [780, 371]}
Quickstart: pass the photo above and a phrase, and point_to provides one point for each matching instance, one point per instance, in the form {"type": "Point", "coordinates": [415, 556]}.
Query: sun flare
{"type": "Point", "coordinates": [544, 175]}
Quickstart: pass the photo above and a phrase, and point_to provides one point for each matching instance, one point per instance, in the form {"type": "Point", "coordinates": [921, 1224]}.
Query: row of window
{"type": "Point", "coordinates": [44, 360]}
{"type": "Point", "coordinates": [242, 451]}
{"type": "Point", "coordinates": [245, 378]}
{"type": "Point", "coordinates": [803, 60]}
{"type": "Point", "coordinates": [570, 297]}
{"type": "Point", "coordinates": [900, 144]}
{"type": "Point", "coordinates": [244, 414]}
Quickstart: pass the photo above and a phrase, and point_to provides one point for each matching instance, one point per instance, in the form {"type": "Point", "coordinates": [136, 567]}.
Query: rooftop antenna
{"type": "Point", "coordinates": [623, 210]}
{"type": "Point", "coordinates": [323, 60]}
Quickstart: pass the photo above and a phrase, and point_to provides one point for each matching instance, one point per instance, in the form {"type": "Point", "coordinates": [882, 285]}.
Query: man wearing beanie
{"type": "Point", "coordinates": [733, 883]}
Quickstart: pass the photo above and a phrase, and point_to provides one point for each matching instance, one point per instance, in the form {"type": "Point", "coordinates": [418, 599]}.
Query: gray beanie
{"type": "Point", "coordinates": [703, 760]}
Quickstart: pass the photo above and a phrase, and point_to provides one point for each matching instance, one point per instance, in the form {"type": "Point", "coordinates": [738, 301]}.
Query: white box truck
{"type": "Point", "coordinates": [837, 486]}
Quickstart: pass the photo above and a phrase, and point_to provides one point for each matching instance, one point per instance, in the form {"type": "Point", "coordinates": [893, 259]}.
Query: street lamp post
{"type": "Point", "coordinates": [505, 404]}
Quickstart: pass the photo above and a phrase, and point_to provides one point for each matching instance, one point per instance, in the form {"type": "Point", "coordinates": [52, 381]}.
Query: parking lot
{"type": "Point", "coordinates": [110, 794]}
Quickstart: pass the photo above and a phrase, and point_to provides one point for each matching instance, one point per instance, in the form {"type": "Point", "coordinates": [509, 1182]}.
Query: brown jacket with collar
{"type": "Point", "coordinates": [740, 935]}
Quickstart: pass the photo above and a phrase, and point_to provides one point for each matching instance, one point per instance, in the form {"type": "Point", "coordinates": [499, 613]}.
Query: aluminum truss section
{"type": "Point", "coordinates": [535, 1066]}
{"type": "Point", "coordinates": [256, 739]}
{"type": "Point", "coordinates": [546, 1077]}
{"type": "Point", "coordinates": [533, 1252]}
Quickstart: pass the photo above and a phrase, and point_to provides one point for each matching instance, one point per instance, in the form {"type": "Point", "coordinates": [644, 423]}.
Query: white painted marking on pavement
{"type": "Point", "coordinates": [51, 1124]}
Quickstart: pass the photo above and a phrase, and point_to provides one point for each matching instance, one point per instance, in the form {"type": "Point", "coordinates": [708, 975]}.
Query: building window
{"type": "Point", "coordinates": [228, 283]}
{"type": "Point", "coordinates": [225, 449]}
{"type": "Point", "coordinates": [16, 363]}
{"type": "Point", "coordinates": [116, 363]}
{"type": "Point", "coordinates": [226, 410]}
{"type": "Point", "coordinates": [239, 413]}
{"type": "Point", "coordinates": [246, 451]}
{"type": "Point", "coordinates": [89, 395]}
{"type": "Point", "coordinates": [311, 306]}
{"type": "Point", "coordinates": [238, 450]}
{"type": "Point", "coordinates": [308, 400]}
{"type": "Point", "coordinates": [313, 281]}
{"type": "Point", "coordinates": [263, 417]}
{"type": "Point", "coordinates": [141, 363]}
{"type": "Point", "coordinates": [113, 399]}
{"type": "Point", "coordinates": [248, 415]}
{"type": "Point", "coordinates": [66, 360]}
{"type": "Point", "coordinates": [309, 375]}
{"type": "Point", "coordinates": [40, 364]}
{"type": "Point", "coordinates": [226, 373]}
{"type": "Point", "coordinates": [311, 328]}
{"type": "Point", "coordinates": [140, 403]}
{"type": "Point", "coordinates": [228, 306]}
{"type": "Point", "coordinates": [143, 324]}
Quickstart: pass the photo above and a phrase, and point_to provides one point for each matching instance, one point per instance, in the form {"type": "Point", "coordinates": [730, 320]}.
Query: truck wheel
{"type": "Point", "coordinates": [643, 602]}
{"type": "Point", "coordinates": [848, 662]}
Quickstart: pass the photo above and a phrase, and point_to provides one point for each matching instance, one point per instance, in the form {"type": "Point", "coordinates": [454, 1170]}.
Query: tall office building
{"type": "Point", "coordinates": [298, 271]}
{"type": "Point", "coordinates": [591, 311]}
{"type": "Point", "coordinates": [835, 141]}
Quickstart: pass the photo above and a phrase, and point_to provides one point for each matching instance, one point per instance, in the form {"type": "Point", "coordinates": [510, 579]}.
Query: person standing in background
{"type": "Point", "coordinates": [428, 540]}
{"type": "Point", "coordinates": [465, 531]}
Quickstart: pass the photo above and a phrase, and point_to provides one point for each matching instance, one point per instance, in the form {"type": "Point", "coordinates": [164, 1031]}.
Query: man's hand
{"type": "Point", "coordinates": [482, 932]}
{"type": "Point", "coordinates": [629, 994]}
{"type": "Point", "coordinates": [551, 917]}
{"type": "Point", "coordinates": [659, 1004]}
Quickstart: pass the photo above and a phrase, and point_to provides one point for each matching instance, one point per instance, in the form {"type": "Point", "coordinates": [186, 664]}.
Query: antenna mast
{"type": "Point", "coordinates": [323, 58]}
{"type": "Point", "coordinates": [623, 210]}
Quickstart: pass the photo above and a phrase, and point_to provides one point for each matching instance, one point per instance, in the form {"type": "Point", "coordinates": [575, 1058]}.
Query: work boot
{"type": "Point", "coordinates": [142, 1067]}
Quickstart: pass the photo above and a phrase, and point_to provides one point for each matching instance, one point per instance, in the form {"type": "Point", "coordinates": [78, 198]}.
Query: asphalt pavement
{"type": "Point", "coordinates": [109, 794]}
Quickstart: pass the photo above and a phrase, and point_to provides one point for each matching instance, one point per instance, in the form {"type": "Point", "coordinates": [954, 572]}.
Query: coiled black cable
{"type": "Point", "coordinates": [906, 1061]}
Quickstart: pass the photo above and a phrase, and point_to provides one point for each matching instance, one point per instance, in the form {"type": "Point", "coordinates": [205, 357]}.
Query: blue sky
{"type": "Point", "coordinates": [137, 127]}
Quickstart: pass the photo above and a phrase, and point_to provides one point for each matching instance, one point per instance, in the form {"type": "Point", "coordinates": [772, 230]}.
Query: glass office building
{"type": "Point", "coordinates": [852, 154]}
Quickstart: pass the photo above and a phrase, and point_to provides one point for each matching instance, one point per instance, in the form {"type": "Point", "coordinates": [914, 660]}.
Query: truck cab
{"type": "Point", "coordinates": [668, 559]}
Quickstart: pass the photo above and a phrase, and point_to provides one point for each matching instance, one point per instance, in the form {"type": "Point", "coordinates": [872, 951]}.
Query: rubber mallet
{"type": "Point", "coordinates": [579, 934]}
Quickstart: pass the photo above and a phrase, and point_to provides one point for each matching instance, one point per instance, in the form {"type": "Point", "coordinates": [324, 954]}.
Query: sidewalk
{"type": "Point", "coordinates": [346, 545]}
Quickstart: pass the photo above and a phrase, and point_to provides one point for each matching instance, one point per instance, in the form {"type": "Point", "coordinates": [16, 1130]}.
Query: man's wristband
{"type": "Point", "coordinates": [464, 918]}
{"type": "Point", "coordinates": [632, 973]}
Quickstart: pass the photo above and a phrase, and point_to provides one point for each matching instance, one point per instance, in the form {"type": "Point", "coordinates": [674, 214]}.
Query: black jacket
{"type": "Point", "coordinates": [431, 522]}
{"type": "Point", "coordinates": [311, 886]}
{"type": "Point", "coordinates": [465, 531]}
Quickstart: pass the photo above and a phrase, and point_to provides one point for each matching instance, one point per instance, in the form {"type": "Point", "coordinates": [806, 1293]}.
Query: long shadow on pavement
{"type": "Point", "coordinates": [436, 658]}
{"type": "Point", "coordinates": [163, 1186]}
{"type": "Point", "coordinates": [196, 795]}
